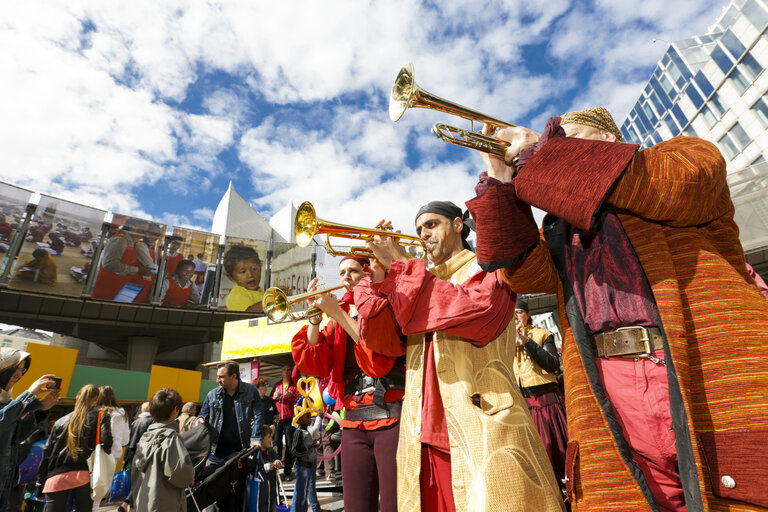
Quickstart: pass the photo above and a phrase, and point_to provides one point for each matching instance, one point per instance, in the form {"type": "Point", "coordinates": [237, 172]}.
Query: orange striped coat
{"type": "Point", "coordinates": [674, 204]}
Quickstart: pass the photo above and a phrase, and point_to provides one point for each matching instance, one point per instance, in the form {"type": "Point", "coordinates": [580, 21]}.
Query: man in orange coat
{"type": "Point", "coordinates": [665, 394]}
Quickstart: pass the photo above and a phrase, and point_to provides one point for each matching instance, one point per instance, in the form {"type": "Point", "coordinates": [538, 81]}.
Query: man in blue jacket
{"type": "Point", "coordinates": [233, 411]}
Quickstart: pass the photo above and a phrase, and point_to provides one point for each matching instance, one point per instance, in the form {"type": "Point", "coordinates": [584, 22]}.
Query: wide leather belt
{"type": "Point", "coordinates": [370, 412]}
{"type": "Point", "coordinates": [635, 341]}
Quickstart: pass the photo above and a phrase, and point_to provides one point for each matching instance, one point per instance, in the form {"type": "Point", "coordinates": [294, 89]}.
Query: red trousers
{"type": "Point", "coordinates": [639, 393]}
{"type": "Point", "coordinates": [435, 479]}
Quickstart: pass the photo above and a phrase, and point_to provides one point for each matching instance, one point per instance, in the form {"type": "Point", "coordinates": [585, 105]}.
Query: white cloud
{"type": "Point", "coordinates": [105, 97]}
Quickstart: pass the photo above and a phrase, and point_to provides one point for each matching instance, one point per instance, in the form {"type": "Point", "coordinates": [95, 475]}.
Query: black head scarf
{"type": "Point", "coordinates": [450, 211]}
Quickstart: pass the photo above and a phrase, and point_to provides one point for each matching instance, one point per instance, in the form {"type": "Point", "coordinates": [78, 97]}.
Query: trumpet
{"type": "Point", "coordinates": [307, 225]}
{"type": "Point", "coordinates": [279, 307]}
{"type": "Point", "coordinates": [406, 94]}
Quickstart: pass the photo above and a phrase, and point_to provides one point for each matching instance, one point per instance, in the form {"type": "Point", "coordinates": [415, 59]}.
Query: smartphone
{"type": "Point", "coordinates": [56, 383]}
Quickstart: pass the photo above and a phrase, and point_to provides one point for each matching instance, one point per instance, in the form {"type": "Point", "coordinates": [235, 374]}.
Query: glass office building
{"type": "Point", "coordinates": [713, 86]}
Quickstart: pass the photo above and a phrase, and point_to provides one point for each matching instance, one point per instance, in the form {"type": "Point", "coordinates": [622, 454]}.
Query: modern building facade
{"type": "Point", "coordinates": [714, 86]}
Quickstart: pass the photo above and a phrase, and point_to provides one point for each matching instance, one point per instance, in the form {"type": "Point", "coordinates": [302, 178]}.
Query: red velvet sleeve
{"type": "Point", "coordinates": [376, 323]}
{"type": "Point", "coordinates": [478, 309]}
{"type": "Point", "coordinates": [316, 360]}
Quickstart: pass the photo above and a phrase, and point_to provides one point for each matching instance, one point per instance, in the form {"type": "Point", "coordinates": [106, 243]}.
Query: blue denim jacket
{"type": "Point", "coordinates": [248, 411]}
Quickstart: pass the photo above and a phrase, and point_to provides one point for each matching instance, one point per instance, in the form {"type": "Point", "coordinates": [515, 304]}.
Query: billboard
{"type": "Point", "coordinates": [241, 287]}
{"type": "Point", "coordinates": [55, 255]}
{"type": "Point", "coordinates": [129, 262]}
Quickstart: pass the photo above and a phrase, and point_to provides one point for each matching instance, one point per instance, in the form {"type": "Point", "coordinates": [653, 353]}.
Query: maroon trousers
{"type": "Point", "coordinates": [369, 469]}
{"type": "Point", "coordinates": [548, 413]}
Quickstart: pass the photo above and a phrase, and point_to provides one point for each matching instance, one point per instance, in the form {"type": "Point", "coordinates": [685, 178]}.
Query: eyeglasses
{"type": "Point", "coordinates": [23, 368]}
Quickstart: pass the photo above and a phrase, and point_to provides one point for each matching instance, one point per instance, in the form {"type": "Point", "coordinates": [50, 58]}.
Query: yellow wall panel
{"type": "Point", "coordinates": [59, 361]}
{"type": "Point", "coordinates": [186, 382]}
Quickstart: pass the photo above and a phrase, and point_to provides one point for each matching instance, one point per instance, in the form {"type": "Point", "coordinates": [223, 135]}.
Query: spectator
{"type": "Point", "coordinates": [284, 394]}
{"type": "Point", "coordinates": [270, 408]}
{"type": "Point", "coordinates": [304, 446]}
{"type": "Point", "coordinates": [233, 411]}
{"type": "Point", "coordinates": [187, 417]}
{"type": "Point", "coordinates": [162, 467]}
{"type": "Point", "coordinates": [41, 268]}
{"type": "Point", "coordinates": [19, 417]}
{"type": "Point", "coordinates": [118, 423]}
{"type": "Point", "coordinates": [138, 427]}
{"type": "Point", "coordinates": [64, 468]}
{"type": "Point", "coordinates": [267, 465]}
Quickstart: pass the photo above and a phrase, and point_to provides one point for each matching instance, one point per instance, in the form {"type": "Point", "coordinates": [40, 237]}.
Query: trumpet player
{"type": "Point", "coordinates": [367, 383]}
{"type": "Point", "coordinates": [467, 441]}
{"type": "Point", "coordinates": [664, 367]}
{"type": "Point", "coordinates": [536, 362]}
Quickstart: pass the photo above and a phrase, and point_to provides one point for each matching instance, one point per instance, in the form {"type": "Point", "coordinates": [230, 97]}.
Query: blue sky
{"type": "Point", "coordinates": [151, 108]}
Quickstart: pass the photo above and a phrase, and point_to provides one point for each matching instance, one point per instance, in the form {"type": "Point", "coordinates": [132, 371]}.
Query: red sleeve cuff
{"type": "Point", "coordinates": [570, 178]}
{"type": "Point", "coordinates": [506, 230]}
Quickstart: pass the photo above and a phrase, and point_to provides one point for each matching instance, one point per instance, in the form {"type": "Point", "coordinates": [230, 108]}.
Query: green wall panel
{"type": "Point", "coordinates": [128, 385]}
{"type": "Point", "coordinates": [205, 387]}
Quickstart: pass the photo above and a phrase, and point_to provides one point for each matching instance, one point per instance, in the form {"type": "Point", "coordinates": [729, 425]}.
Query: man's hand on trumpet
{"type": "Point", "coordinates": [385, 249]}
{"type": "Point", "coordinates": [519, 138]}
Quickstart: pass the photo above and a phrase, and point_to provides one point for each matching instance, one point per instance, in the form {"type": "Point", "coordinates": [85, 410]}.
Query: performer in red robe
{"type": "Point", "coordinates": [368, 385]}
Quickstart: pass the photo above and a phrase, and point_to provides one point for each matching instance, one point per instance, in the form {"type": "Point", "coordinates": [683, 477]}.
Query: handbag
{"type": "Point", "coordinates": [101, 464]}
{"type": "Point", "coordinates": [120, 488]}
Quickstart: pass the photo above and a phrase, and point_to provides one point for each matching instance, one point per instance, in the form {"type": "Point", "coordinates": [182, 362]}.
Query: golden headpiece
{"type": "Point", "coordinates": [597, 117]}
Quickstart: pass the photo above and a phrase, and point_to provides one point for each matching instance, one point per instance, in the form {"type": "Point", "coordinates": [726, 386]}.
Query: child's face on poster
{"type": "Point", "coordinates": [247, 273]}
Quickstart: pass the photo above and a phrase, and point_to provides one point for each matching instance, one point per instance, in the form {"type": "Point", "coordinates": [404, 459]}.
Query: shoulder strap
{"type": "Point", "coordinates": [98, 428]}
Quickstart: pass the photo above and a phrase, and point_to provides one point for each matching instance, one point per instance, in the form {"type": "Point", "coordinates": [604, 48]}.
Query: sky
{"type": "Point", "coordinates": [152, 107]}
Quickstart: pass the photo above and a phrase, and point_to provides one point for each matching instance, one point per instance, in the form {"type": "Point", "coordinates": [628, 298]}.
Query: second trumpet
{"type": "Point", "coordinates": [307, 225]}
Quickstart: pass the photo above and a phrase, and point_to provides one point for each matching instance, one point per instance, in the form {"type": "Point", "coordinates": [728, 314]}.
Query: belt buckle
{"type": "Point", "coordinates": [645, 338]}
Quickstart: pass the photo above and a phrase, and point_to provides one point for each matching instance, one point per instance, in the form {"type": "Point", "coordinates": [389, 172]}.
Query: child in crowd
{"type": "Point", "coordinates": [41, 268]}
{"type": "Point", "coordinates": [243, 267]}
{"type": "Point", "coordinates": [304, 449]}
{"type": "Point", "coordinates": [178, 289]}
{"type": "Point", "coordinates": [267, 465]}
{"type": "Point", "coordinates": [162, 468]}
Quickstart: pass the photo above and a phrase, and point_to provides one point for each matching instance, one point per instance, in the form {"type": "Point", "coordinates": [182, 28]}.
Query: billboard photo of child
{"type": "Point", "coordinates": [242, 266]}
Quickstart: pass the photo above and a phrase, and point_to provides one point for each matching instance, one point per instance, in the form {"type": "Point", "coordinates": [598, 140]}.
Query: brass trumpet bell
{"type": "Point", "coordinates": [307, 225]}
{"type": "Point", "coordinates": [407, 94]}
{"type": "Point", "coordinates": [279, 307]}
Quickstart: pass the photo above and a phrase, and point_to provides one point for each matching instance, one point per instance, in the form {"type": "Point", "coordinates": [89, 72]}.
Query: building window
{"type": "Point", "coordinates": [733, 45]}
{"type": "Point", "coordinates": [761, 109]}
{"type": "Point", "coordinates": [722, 59]}
{"type": "Point", "coordinates": [708, 116]}
{"type": "Point", "coordinates": [728, 147]}
{"type": "Point", "coordinates": [756, 13]}
{"type": "Point", "coordinates": [740, 135]}
{"type": "Point", "coordinates": [719, 106]}
{"type": "Point", "coordinates": [679, 116]}
{"type": "Point", "coordinates": [694, 96]}
{"type": "Point", "coordinates": [703, 83]}
{"type": "Point", "coordinates": [750, 66]}
{"type": "Point", "coordinates": [739, 81]}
